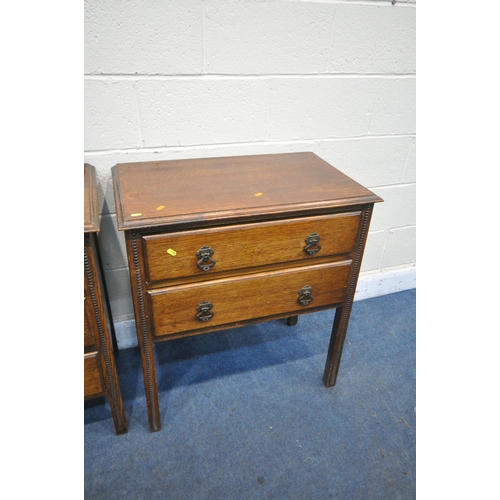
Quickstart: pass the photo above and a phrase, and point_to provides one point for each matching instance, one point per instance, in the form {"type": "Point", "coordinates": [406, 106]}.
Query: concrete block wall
{"type": "Point", "coordinates": [203, 78]}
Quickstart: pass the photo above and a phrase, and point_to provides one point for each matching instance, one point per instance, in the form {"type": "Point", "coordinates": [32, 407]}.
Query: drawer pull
{"type": "Point", "coordinates": [205, 255]}
{"type": "Point", "coordinates": [305, 296]}
{"type": "Point", "coordinates": [204, 311]}
{"type": "Point", "coordinates": [312, 244]}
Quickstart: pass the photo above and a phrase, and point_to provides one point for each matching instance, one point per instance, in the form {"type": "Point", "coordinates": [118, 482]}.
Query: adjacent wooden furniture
{"type": "Point", "coordinates": [219, 242]}
{"type": "Point", "coordinates": [100, 376]}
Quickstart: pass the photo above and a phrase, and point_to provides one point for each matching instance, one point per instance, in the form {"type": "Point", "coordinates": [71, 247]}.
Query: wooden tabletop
{"type": "Point", "coordinates": [91, 202]}
{"type": "Point", "coordinates": [237, 188]}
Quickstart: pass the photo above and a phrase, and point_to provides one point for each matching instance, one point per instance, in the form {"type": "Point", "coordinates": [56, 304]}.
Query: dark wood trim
{"type": "Point", "coordinates": [100, 323]}
{"type": "Point", "coordinates": [91, 211]}
{"type": "Point", "coordinates": [135, 257]}
{"type": "Point", "coordinates": [343, 313]}
{"type": "Point", "coordinates": [249, 215]}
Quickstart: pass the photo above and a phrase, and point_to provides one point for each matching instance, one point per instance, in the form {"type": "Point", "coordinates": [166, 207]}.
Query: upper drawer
{"type": "Point", "coordinates": [207, 251]}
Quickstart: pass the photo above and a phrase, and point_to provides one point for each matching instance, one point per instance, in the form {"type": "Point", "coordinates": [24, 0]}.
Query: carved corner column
{"type": "Point", "coordinates": [93, 290]}
{"type": "Point", "coordinates": [343, 313]}
{"type": "Point", "coordinates": [144, 337]}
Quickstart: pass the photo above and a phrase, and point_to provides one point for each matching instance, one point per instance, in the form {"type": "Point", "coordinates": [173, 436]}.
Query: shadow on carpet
{"type": "Point", "coordinates": [245, 414]}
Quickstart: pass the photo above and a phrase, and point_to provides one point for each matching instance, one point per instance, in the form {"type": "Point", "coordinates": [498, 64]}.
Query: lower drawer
{"type": "Point", "coordinates": [221, 302]}
{"type": "Point", "coordinates": [92, 375]}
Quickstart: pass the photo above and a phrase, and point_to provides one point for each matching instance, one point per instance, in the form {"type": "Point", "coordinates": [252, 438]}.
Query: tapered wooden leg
{"type": "Point", "coordinates": [342, 314]}
{"type": "Point", "coordinates": [292, 320]}
{"type": "Point", "coordinates": [336, 346]}
{"type": "Point", "coordinates": [143, 333]}
{"type": "Point", "coordinates": [150, 384]}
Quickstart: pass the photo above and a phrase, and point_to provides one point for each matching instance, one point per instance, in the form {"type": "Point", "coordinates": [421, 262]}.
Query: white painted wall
{"type": "Point", "coordinates": [200, 78]}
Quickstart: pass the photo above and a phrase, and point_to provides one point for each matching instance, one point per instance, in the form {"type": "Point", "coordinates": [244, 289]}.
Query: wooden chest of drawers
{"type": "Point", "coordinates": [219, 242]}
{"type": "Point", "coordinates": [100, 377]}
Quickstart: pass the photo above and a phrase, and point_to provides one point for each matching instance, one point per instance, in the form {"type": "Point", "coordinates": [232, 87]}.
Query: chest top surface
{"type": "Point", "coordinates": [91, 202]}
{"type": "Point", "coordinates": [194, 191]}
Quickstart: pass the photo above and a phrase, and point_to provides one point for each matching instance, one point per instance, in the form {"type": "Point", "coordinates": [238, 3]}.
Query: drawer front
{"type": "Point", "coordinates": [174, 255]}
{"type": "Point", "coordinates": [92, 375]}
{"type": "Point", "coordinates": [225, 301]}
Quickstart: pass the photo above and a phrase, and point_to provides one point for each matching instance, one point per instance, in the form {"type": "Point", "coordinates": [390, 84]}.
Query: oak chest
{"type": "Point", "coordinates": [215, 243]}
{"type": "Point", "coordinates": [100, 375]}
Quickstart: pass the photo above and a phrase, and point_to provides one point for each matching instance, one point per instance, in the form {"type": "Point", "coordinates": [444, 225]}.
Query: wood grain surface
{"type": "Point", "coordinates": [171, 255]}
{"type": "Point", "coordinates": [251, 296]}
{"type": "Point", "coordinates": [150, 194]}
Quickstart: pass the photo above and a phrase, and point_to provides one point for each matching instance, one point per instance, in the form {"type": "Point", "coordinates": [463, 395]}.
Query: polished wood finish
{"type": "Point", "coordinates": [91, 202]}
{"type": "Point", "coordinates": [260, 217]}
{"type": "Point", "coordinates": [100, 375]}
{"type": "Point", "coordinates": [93, 383]}
{"type": "Point", "coordinates": [241, 246]}
{"type": "Point", "coordinates": [237, 299]}
{"type": "Point", "coordinates": [214, 190]}
{"type": "Point", "coordinates": [88, 331]}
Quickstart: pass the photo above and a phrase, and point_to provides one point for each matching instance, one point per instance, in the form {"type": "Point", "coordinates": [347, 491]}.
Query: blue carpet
{"type": "Point", "coordinates": [245, 414]}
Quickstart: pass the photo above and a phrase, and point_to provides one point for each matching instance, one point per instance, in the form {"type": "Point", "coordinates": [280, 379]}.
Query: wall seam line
{"type": "Point", "coordinates": [152, 149]}
{"type": "Point", "coordinates": [330, 48]}
{"type": "Point", "coordinates": [203, 39]}
{"type": "Point", "coordinates": [231, 76]}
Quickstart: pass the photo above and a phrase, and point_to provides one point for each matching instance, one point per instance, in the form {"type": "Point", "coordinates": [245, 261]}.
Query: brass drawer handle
{"type": "Point", "coordinates": [205, 255]}
{"type": "Point", "coordinates": [305, 296]}
{"type": "Point", "coordinates": [312, 244]}
{"type": "Point", "coordinates": [204, 311]}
